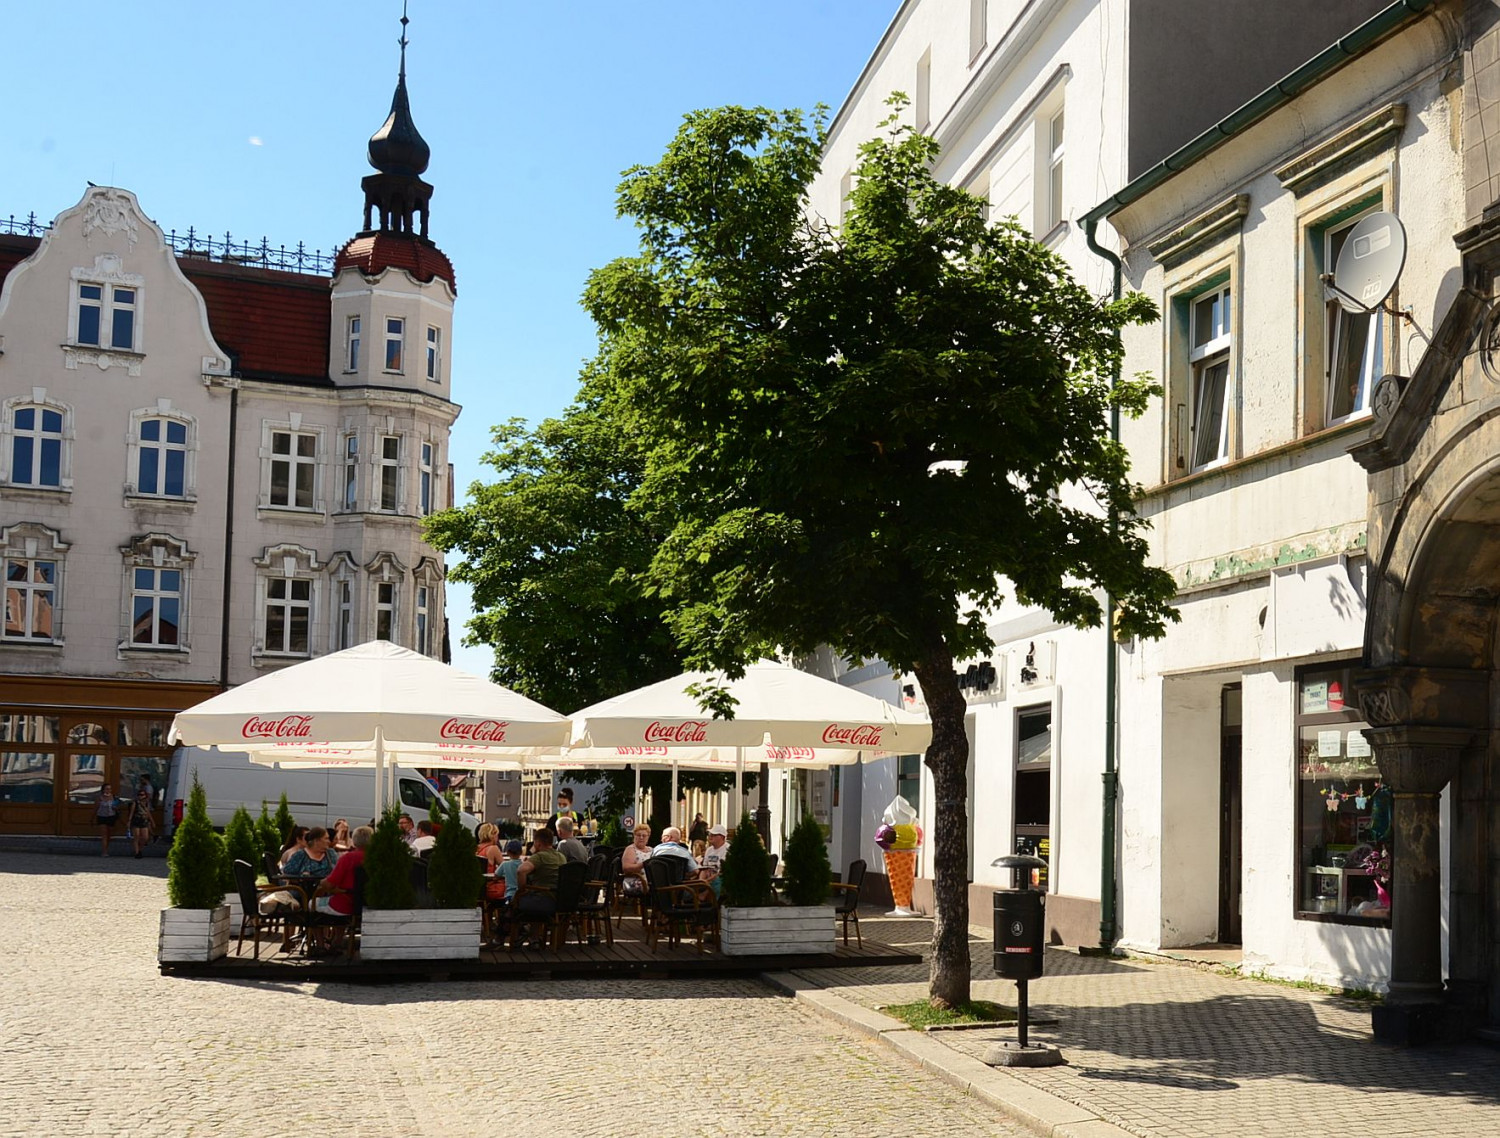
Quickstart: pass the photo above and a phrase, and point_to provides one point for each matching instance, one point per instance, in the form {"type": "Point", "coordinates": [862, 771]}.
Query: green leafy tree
{"type": "Point", "coordinates": [557, 562]}
{"type": "Point", "coordinates": [746, 870]}
{"type": "Point", "coordinates": [387, 865]}
{"type": "Point", "coordinates": [865, 438]}
{"type": "Point", "coordinates": [453, 874]}
{"type": "Point", "coordinates": [805, 866]}
{"type": "Point", "coordinates": [240, 844]}
{"type": "Point", "coordinates": [285, 823]}
{"type": "Point", "coordinates": [266, 832]}
{"type": "Point", "coordinates": [195, 863]}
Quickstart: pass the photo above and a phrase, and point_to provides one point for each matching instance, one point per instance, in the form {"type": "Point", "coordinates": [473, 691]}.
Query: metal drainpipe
{"type": "Point", "coordinates": [1109, 930]}
{"type": "Point", "coordinates": [234, 414]}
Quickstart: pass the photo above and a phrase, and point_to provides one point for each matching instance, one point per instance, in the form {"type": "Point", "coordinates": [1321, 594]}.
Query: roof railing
{"type": "Point", "coordinates": [192, 244]}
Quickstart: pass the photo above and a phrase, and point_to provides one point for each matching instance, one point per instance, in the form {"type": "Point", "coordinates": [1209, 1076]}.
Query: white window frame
{"type": "Point", "coordinates": [353, 329]}
{"type": "Point", "coordinates": [155, 594]}
{"type": "Point", "coordinates": [426, 482]}
{"type": "Point", "coordinates": [283, 567]}
{"type": "Point", "coordinates": [39, 435]}
{"type": "Point", "coordinates": [108, 303]}
{"type": "Point", "coordinates": [422, 641]}
{"type": "Point", "coordinates": [922, 102]}
{"type": "Point", "coordinates": [294, 462]}
{"type": "Point", "coordinates": [349, 496]}
{"type": "Point", "coordinates": [30, 544]}
{"type": "Point", "coordinates": [343, 628]}
{"type": "Point", "coordinates": [1202, 358]}
{"type": "Point", "coordinates": [395, 333]}
{"type": "Point", "coordinates": [388, 469]}
{"type": "Point", "coordinates": [385, 609]}
{"type": "Point", "coordinates": [135, 446]}
{"type": "Point", "coordinates": [1336, 319]}
{"type": "Point", "coordinates": [434, 353]}
{"type": "Point", "coordinates": [978, 28]}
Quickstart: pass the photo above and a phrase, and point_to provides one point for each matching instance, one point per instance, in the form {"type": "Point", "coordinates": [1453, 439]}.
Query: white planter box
{"type": "Point", "coordinates": [193, 934]}
{"type": "Point", "coordinates": [419, 934]}
{"type": "Point", "coordinates": [776, 930]}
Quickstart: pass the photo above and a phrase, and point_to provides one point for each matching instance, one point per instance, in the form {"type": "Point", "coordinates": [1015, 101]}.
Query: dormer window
{"type": "Point", "coordinates": [110, 308]}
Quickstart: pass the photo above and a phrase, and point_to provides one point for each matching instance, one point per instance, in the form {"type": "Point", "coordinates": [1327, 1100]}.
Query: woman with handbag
{"type": "Point", "coordinates": [140, 823]}
{"type": "Point", "coordinates": [106, 814]}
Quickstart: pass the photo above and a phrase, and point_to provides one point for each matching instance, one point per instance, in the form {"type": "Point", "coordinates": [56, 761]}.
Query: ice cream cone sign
{"type": "Point", "coordinates": [898, 839]}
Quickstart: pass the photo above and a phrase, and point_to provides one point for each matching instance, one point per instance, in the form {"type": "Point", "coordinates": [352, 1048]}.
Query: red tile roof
{"type": "Point", "coordinates": [14, 250]}
{"type": "Point", "coordinates": [275, 324]}
{"type": "Point", "coordinates": [371, 253]}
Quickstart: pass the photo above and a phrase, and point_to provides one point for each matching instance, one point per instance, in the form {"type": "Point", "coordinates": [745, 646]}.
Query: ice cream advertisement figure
{"type": "Point", "coordinates": [898, 839]}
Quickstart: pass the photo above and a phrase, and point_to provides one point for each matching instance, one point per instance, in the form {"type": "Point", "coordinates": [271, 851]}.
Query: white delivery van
{"type": "Point", "coordinates": [317, 796]}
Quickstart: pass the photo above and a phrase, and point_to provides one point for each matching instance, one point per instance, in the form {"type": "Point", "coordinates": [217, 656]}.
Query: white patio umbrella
{"type": "Point", "coordinates": [781, 715]}
{"type": "Point", "coordinates": [371, 702]}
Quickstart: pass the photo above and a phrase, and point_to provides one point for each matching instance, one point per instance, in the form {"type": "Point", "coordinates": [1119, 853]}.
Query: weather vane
{"type": "Point", "coordinates": [403, 41]}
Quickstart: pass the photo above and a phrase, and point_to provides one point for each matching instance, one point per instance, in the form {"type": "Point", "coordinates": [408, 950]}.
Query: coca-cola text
{"type": "Point", "coordinates": [864, 735]}
{"type": "Point", "coordinates": [482, 731]}
{"type": "Point", "coordinates": [287, 727]}
{"type": "Point", "coordinates": [691, 731]}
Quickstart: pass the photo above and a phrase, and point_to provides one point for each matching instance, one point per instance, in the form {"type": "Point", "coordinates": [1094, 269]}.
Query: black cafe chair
{"type": "Point", "coordinates": [846, 900]}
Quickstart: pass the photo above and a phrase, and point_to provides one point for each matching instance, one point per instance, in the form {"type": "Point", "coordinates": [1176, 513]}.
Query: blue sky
{"type": "Point", "coordinates": [252, 118]}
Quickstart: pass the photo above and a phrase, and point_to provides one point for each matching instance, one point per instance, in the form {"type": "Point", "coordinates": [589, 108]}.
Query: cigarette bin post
{"type": "Point", "coordinates": [1019, 941]}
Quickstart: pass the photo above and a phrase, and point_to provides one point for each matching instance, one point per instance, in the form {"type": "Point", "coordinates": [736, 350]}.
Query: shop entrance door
{"type": "Point", "coordinates": [1230, 861]}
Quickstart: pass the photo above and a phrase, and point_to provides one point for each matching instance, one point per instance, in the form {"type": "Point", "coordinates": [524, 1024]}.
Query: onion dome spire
{"type": "Point", "coordinates": [400, 154]}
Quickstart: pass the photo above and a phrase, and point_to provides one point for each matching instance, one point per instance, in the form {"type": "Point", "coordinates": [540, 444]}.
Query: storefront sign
{"type": "Point", "coordinates": [1356, 745]}
{"type": "Point", "coordinates": [1330, 744]}
{"type": "Point", "coordinates": [1315, 698]}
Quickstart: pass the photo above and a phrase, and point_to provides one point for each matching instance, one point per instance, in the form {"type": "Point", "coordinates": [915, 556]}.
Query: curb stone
{"type": "Point", "coordinates": [1044, 1113]}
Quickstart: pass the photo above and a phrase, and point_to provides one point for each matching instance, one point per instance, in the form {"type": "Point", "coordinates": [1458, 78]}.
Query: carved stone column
{"type": "Point", "coordinates": [1416, 763]}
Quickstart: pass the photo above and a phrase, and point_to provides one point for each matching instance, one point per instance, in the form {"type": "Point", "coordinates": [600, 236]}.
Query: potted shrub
{"type": "Point", "coordinates": [455, 880]}
{"type": "Point", "coordinates": [196, 927]}
{"type": "Point", "coordinates": [751, 922]}
{"type": "Point", "coordinates": [285, 823]}
{"type": "Point", "coordinates": [393, 928]}
{"type": "Point", "coordinates": [267, 834]}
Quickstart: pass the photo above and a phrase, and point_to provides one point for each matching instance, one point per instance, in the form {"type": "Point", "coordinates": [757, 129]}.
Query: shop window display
{"type": "Point", "coordinates": [1344, 839]}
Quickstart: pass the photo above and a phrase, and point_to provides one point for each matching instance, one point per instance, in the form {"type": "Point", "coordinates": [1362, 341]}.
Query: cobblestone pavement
{"type": "Point", "coordinates": [94, 1041]}
{"type": "Point", "coordinates": [1167, 1050]}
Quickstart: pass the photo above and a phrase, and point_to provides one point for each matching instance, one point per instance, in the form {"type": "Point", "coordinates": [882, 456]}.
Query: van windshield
{"type": "Point", "coordinates": [418, 794]}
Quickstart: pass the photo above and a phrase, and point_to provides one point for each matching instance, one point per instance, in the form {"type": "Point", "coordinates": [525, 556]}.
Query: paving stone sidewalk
{"type": "Point", "coordinates": [1168, 1051]}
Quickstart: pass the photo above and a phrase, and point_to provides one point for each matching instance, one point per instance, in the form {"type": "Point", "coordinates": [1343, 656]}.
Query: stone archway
{"type": "Point", "coordinates": [1433, 458]}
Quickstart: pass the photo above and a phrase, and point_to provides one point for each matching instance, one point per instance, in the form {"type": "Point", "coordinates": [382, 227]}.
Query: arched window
{"type": "Point", "coordinates": [161, 444]}
{"type": "Point", "coordinates": [37, 433]}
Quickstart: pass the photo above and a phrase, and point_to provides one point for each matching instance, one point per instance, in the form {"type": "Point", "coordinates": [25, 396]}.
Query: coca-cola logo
{"type": "Point", "coordinates": [691, 731]}
{"type": "Point", "coordinates": [630, 752]}
{"type": "Point", "coordinates": [482, 731]}
{"type": "Point", "coordinates": [864, 735]}
{"type": "Point", "coordinates": [790, 754]}
{"type": "Point", "coordinates": [287, 727]}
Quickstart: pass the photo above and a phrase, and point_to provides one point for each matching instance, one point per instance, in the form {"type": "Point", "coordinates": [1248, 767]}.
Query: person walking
{"type": "Point", "coordinates": [106, 814]}
{"type": "Point", "coordinates": [140, 823]}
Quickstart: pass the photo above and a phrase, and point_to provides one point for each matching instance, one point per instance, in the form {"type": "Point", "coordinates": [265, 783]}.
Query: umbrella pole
{"type": "Point", "coordinates": [379, 771]}
{"type": "Point", "coordinates": [635, 805]}
{"type": "Point", "coordinates": [739, 784]}
{"type": "Point", "coordinates": [673, 812]}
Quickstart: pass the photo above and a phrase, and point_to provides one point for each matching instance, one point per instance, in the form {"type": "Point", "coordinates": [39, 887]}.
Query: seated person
{"type": "Point", "coordinates": [507, 872]}
{"type": "Point", "coordinates": [633, 861]}
{"type": "Point", "coordinates": [672, 845]}
{"type": "Point", "coordinates": [297, 841]}
{"type": "Point", "coordinates": [315, 859]}
{"type": "Point", "coordinates": [336, 891]}
{"type": "Point", "coordinates": [426, 837]}
{"type": "Point", "coordinates": [567, 845]}
{"type": "Point", "coordinates": [714, 855]}
{"type": "Point", "coordinates": [539, 871]}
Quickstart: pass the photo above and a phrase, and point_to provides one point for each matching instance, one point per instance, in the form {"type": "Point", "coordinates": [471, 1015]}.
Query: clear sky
{"type": "Point", "coordinates": [252, 118]}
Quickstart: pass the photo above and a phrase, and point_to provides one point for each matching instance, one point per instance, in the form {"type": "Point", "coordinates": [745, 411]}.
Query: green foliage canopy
{"type": "Point", "coordinates": [453, 874]}
{"type": "Point", "coordinates": [805, 866]}
{"type": "Point", "coordinates": [387, 865]}
{"type": "Point", "coordinates": [746, 870]}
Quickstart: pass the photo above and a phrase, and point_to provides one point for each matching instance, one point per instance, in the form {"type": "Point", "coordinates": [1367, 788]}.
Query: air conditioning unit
{"type": "Point", "coordinates": [1035, 665]}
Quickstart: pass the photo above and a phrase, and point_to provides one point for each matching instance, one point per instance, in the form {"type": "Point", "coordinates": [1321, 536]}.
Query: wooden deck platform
{"type": "Point", "coordinates": [628, 958]}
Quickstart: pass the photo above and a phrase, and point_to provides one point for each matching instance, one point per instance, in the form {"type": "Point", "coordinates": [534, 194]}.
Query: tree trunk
{"type": "Point", "coordinates": [948, 760]}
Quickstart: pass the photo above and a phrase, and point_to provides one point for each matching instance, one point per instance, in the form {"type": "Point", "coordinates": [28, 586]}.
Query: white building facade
{"type": "Point", "coordinates": [209, 468]}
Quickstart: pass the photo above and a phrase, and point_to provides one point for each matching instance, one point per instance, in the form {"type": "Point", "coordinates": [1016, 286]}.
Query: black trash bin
{"type": "Point", "coordinates": [1020, 924]}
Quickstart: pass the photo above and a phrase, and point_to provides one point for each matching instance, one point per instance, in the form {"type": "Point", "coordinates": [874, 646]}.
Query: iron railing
{"type": "Point", "coordinates": [255, 255]}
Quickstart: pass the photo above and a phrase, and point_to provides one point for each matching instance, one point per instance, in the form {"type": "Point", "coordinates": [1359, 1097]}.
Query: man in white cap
{"type": "Point", "coordinates": [717, 851]}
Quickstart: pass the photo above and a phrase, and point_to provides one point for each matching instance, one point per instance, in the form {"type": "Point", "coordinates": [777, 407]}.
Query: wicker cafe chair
{"type": "Point", "coordinates": [598, 897]}
{"type": "Point", "coordinates": [253, 919]}
{"type": "Point", "coordinates": [271, 865]}
{"type": "Point", "coordinates": [551, 925]}
{"type": "Point", "coordinates": [309, 918]}
{"type": "Point", "coordinates": [677, 908]}
{"type": "Point", "coordinates": [622, 898]}
{"type": "Point", "coordinates": [846, 900]}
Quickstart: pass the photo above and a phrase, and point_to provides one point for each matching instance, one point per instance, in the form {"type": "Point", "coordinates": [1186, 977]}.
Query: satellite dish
{"type": "Point", "coordinates": [1370, 262]}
